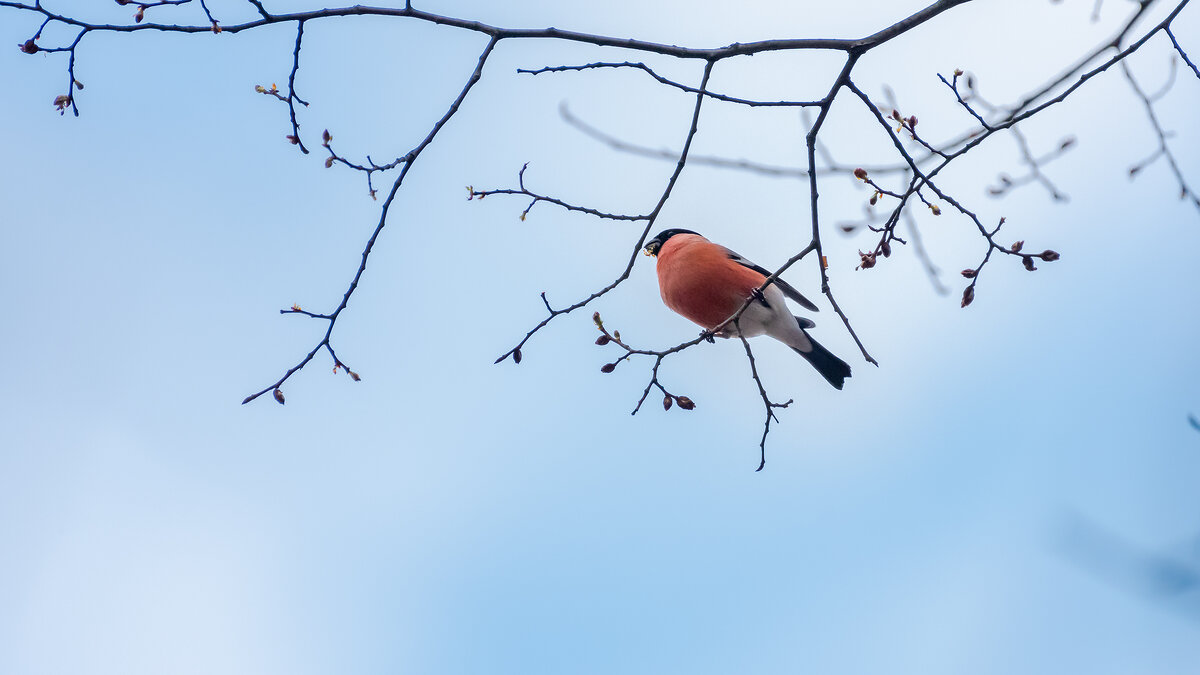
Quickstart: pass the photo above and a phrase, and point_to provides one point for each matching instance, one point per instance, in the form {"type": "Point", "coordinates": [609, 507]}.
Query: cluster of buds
{"type": "Point", "coordinates": [606, 337]}
{"type": "Point", "coordinates": [272, 91]}
{"type": "Point", "coordinates": [868, 261]}
{"type": "Point", "coordinates": [29, 46]}
{"type": "Point", "coordinates": [326, 137]}
{"type": "Point", "coordinates": [353, 375]}
{"type": "Point", "coordinates": [861, 174]}
{"type": "Point", "coordinates": [1015, 249]}
{"type": "Point", "coordinates": [906, 123]}
{"type": "Point", "coordinates": [683, 401]}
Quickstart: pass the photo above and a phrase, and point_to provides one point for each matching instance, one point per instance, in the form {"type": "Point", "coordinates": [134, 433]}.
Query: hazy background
{"type": "Point", "coordinates": [977, 504]}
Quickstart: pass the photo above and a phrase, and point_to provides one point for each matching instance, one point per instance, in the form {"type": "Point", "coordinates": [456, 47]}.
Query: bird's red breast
{"type": "Point", "coordinates": [699, 281]}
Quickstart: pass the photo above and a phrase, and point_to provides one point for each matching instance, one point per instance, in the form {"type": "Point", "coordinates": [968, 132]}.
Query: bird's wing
{"type": "Point", "coordinates": [788, 289]}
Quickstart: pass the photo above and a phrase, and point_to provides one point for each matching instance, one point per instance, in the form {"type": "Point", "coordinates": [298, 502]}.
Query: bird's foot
{"type": "Point", "coordinates": [707, 336]}
{"type": "Point", "coordinates": [757, 294]}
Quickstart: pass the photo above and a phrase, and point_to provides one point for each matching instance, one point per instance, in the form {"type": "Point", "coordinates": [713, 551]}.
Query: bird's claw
{"type": "Point", "coordinates": [757, 294]}
{"type": "Point", "coordinates": [707, 336]}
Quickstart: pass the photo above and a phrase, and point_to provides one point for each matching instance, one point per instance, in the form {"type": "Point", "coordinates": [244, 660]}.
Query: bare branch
{"type": "Point", "coordinates": [650, 220]}
{"type": "Point", "coordinates": [332, 317]}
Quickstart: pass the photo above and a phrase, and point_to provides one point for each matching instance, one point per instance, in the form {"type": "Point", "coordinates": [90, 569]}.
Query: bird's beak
{"type": "Point", "coordinates": [652, 247]}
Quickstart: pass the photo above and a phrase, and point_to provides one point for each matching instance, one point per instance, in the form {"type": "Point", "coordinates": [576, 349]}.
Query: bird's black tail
{"type": "Point", "coordinates": [829, 366]}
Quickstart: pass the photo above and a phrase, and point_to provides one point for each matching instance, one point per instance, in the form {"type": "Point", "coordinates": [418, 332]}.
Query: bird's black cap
{"type": "Point", "coordinates": [653, 246]}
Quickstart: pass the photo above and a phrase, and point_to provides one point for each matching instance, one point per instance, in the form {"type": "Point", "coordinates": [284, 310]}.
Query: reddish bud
{"type": "Point", "coordinates": [970, 274]}
{"type": "Point", "coordinates": [216, 28]}
{"type": "Point", "coordinates": [1027, 260]}
{"type": "Point", "coordinates": [912, 122]}
{"type": "Point", "coordinates": [968, 296]}
{"type": "Point", "coordinates": [516, 356]}
{"type": "Point", "coordinates": [886, 249]}
{"type": "Point", "coordinates": [667, 402]}
{"type": "Point", "coordinates": [326, 137]}
{"type": "Point", "coordinates": [278, 396]}
{"type": "Point", "coordinates": [896, 115]}
{"type": "Point", "coordinates": [138, 16]}
{"type": "Point", "coordinates": [937, 210]}
{"type": "Point", "coordinates": [860, 174]}
{"type": "Point", "coordinates": [30, 47]}
{"type": "Point", "coordinates": [1016, 247]}
{"type": "Point", "coordinates": [868, 261]}
{"type": "Point", "coordinates": [685, 402]}
{"type": "Point", "coordinates": [608, 367]}
{"type": "Point", "coordinates": [596, 320]}
{"type": "Point", "coordinates": [328, 162]}
{"type": "Point", "coordinates": [1049, 256]}
{"type": "Point", "coordinates": [293, 139]}
{"type": "Point", "coordinates": [78, 85]}
{"type": "Point", "coordinates": [874, 198]}
{"type": "Point", "coordinates": [603, 340]}
{"type": "Point", "coordinates": [353, 375]}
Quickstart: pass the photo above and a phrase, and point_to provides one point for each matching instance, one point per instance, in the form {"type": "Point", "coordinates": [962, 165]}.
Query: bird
{"type": "Point", "coordinates": [707, 283]}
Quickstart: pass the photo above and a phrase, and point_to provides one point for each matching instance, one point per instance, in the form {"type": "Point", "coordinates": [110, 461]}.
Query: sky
{"type": "Point", "coordinates": [1012, 490]}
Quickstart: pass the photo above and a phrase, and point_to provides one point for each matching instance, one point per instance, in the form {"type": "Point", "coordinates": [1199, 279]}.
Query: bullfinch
{"type": "Point", "coordinates": [707, 283]}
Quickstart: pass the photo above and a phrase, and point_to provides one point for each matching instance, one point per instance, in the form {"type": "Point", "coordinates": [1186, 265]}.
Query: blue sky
{"type": "Point", "coordinates": [446, 515]}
